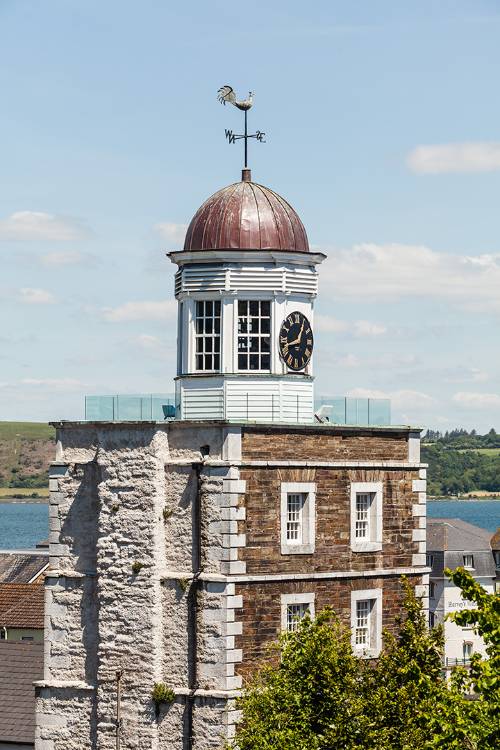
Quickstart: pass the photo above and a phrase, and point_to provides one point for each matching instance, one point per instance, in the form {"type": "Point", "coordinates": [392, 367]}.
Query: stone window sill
{"type": "Point", "coordinates": [297, 549]}
{"type": "Point", "coordinates": [367, 547]}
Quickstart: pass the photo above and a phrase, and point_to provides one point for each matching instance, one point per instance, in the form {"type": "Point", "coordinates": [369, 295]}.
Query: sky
{"type": "Point", "coordinates": [382, 122]}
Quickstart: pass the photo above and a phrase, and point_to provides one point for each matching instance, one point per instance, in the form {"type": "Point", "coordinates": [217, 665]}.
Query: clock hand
{"type": "Point", "coordinates": [297, 340]}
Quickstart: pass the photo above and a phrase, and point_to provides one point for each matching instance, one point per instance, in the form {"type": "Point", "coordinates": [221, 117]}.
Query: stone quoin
{"type": "Point", "coordinates": [180, 549]}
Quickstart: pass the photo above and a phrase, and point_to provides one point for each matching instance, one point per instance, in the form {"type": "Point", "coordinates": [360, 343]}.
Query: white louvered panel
{"type": "Point", "coordinates": [301, 280]}
{"type": "Point", "coordinates": [253, 407]}
{"type": "Point", "coordinates": [297, 401]}
{"type": "Point", "coordinates": [251, 278]}
{"type": "Point", "coordinates": [178, 282]}
{"type": "Point", "coordinates": [257, 401]}
{"type": "Point", "coordinates": [203, 403]}
{"type": "Point", "coordinates": [199, 278]}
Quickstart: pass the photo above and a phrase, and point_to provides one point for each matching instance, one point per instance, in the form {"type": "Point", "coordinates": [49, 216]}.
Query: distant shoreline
{"type": "Point", "coordinates": [26, 500]}
{"type": "Point", "coordinates": [463, 499]}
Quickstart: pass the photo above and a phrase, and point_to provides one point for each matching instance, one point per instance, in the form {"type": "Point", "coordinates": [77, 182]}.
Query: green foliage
{"type": "Point", "coordinates": [26, 449]}
{"type": "Point", "coordinates": [137, 567]}
{"type": "Point", "coordinates": [309, 699]}
{"type": "Point", "coordinates": [161, 693]}
{"type": "Point", "coordinates": [315, 694]}
{"type": "Point", "coordinates": [26, 431]}
{"type": "Point", "coordinates": [183, 583]}
{"type": "Point", "coordinates": [455, 472]}
{"type": "Point", "coordinates": [485, 620]}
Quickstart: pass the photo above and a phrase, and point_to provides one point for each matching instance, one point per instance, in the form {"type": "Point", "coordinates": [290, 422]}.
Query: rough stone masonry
{"type": "Point", "coordinates": [166, 566]}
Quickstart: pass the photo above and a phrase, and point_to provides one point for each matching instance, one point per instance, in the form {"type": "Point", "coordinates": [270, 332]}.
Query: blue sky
{"type": "Point", "coordinates": [383, 131]}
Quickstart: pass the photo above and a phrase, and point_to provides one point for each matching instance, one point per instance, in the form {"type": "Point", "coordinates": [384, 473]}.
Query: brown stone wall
{"type": "Point", "coordinates": [262, 499]}
{"type": "Point", "coordinates": [323, 444]}
{"type": "Point", "coordinates": [261, 611]}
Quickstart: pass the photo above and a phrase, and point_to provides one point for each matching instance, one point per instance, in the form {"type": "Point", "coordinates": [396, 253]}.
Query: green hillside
{"type": "Point", "coordinates": [461, 462]}
{"type": "Point", "coordinates": [26, 450]}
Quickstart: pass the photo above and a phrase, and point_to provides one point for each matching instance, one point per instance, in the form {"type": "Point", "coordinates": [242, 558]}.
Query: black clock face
{"type": "Point", "coordinates": [296, 341]}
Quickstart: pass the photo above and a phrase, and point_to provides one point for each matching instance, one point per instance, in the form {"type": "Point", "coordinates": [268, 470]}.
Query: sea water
{"type": "Point", "coordinates": [484, 513]}
{"type": "Point", "coordinates": [22, 525]}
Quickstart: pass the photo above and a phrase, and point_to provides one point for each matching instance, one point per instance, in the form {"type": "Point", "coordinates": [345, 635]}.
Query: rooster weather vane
{"type": "Point", "coordinates": [226, 94]}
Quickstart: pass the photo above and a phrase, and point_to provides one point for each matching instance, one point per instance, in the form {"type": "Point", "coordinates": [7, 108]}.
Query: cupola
{"type": "Point", "coordinates": [246, 216]}
{"type": "Point", "coordinates": [246, 285]}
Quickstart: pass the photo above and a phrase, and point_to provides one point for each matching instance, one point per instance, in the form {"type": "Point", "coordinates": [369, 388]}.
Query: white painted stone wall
{"type": "Point", "coordinates": [123, 495]}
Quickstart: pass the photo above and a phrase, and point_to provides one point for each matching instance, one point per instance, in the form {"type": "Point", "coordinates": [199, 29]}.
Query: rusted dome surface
{"type": "Point", "coordinates": [246, 216]}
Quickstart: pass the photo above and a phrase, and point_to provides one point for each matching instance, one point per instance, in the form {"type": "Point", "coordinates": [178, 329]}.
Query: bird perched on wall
{"type": "Point", "coordinates": [226, 94]}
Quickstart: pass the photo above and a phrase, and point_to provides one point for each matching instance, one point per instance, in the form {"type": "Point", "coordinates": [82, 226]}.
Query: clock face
{"type": "Point", "coordinates": [296, 341]}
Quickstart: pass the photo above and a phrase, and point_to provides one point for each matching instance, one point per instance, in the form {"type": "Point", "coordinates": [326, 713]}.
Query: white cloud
{"type": "Point", "coordinates": [146, 341]}
{"type": "Point", "coordinates": [174, 233]}
{"type": "Point", "coordinates": [329, 325]}
{"type": "Point", "coordinates": [367, 328]}
{"type": "Point", "coordinates": [360, 328]}
{"type": "Point", "coordinates": [477, 400]}
{"type": "Point", "coordinates": [400, 399]}
{"type": "Point", "coordinates": [141, 311]}
{"type": "Point", "coordinates": [30, 296]}
{"type": "Point", "coordinates": [394, 271]}
{"type": "Point", "coordinates": [63, 384]}
{"type": "Point", "coordinates": [467, 375]}
{"type": "Point", "coordinates": [349, 360]}
{"type": "Point", "coordinates": [455, 157]}
{"type": "Point", "coordinates": [63, 258]}
{"type": "Point", "coordinates": [38, 225]}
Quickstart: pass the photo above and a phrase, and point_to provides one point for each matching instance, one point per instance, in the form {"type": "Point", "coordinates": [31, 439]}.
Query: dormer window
{"type": "Point", "coordinates": [469, 561]}
{"type": "Point", "coordinates": [254, 335]}
{"type": "Point", "coordinates": [207, 335]}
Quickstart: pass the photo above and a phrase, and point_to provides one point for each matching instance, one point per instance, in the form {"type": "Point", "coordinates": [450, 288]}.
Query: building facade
{"type": "Point", "coordinates": [180, 549]}
{"type": "Point", "coordinates": [453, 543]}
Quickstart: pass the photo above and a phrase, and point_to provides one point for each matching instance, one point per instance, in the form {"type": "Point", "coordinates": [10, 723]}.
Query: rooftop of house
{"type": "Point", "coordinates": [453, 534]}
{"type": "Point", "coordinates": [22, 567]}
{"type": "Point", "coordinates": [21, 605]}
{"type": "Point", "coordinates": [22, 664]}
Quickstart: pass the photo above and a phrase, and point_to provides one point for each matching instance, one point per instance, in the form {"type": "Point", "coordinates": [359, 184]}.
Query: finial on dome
{"type": "Point", "coordinates": [246, 175]}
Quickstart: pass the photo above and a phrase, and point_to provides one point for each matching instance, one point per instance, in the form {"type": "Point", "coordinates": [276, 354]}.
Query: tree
{"type": "Point", "coordinates": [484, 672]}
{"type": "Point", "coordinates": [316, 694]}
{"type": "Point", "coordinates": [309, 696]}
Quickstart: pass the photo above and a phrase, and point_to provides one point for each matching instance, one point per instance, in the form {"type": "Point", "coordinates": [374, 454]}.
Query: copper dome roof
{"type": "Point", "coordinates": [246, 216]}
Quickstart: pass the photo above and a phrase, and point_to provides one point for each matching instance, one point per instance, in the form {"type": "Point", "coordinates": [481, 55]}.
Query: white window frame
{"type": "Point", "coordinates": [308, 543]}
{"type": "Point", "coordinates": [375, 597]}
{"type": "Point", "coordinates": [374, 543]}
{"type": "Point", "coordinates": [466, 556]}
{"type": "Point", "coordinates": [287, 599]}
{"type": "Point", "coordinates": [258, 335]}
{"type": "Point", "coordinates": [468, 647]}
{"type": "Point", "coordinates": [203, 336]}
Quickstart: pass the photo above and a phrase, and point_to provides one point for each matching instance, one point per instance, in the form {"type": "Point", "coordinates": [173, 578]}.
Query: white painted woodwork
{"type": "Point", "coordinates": [289, 281]}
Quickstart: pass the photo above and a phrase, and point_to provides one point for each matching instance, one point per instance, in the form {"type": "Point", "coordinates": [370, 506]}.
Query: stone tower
{"type": "Point", "coordinates": [180, 549]}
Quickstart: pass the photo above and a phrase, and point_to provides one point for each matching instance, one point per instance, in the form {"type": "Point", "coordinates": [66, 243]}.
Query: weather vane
{"type": "Point", "coordinates": [226, 94]}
